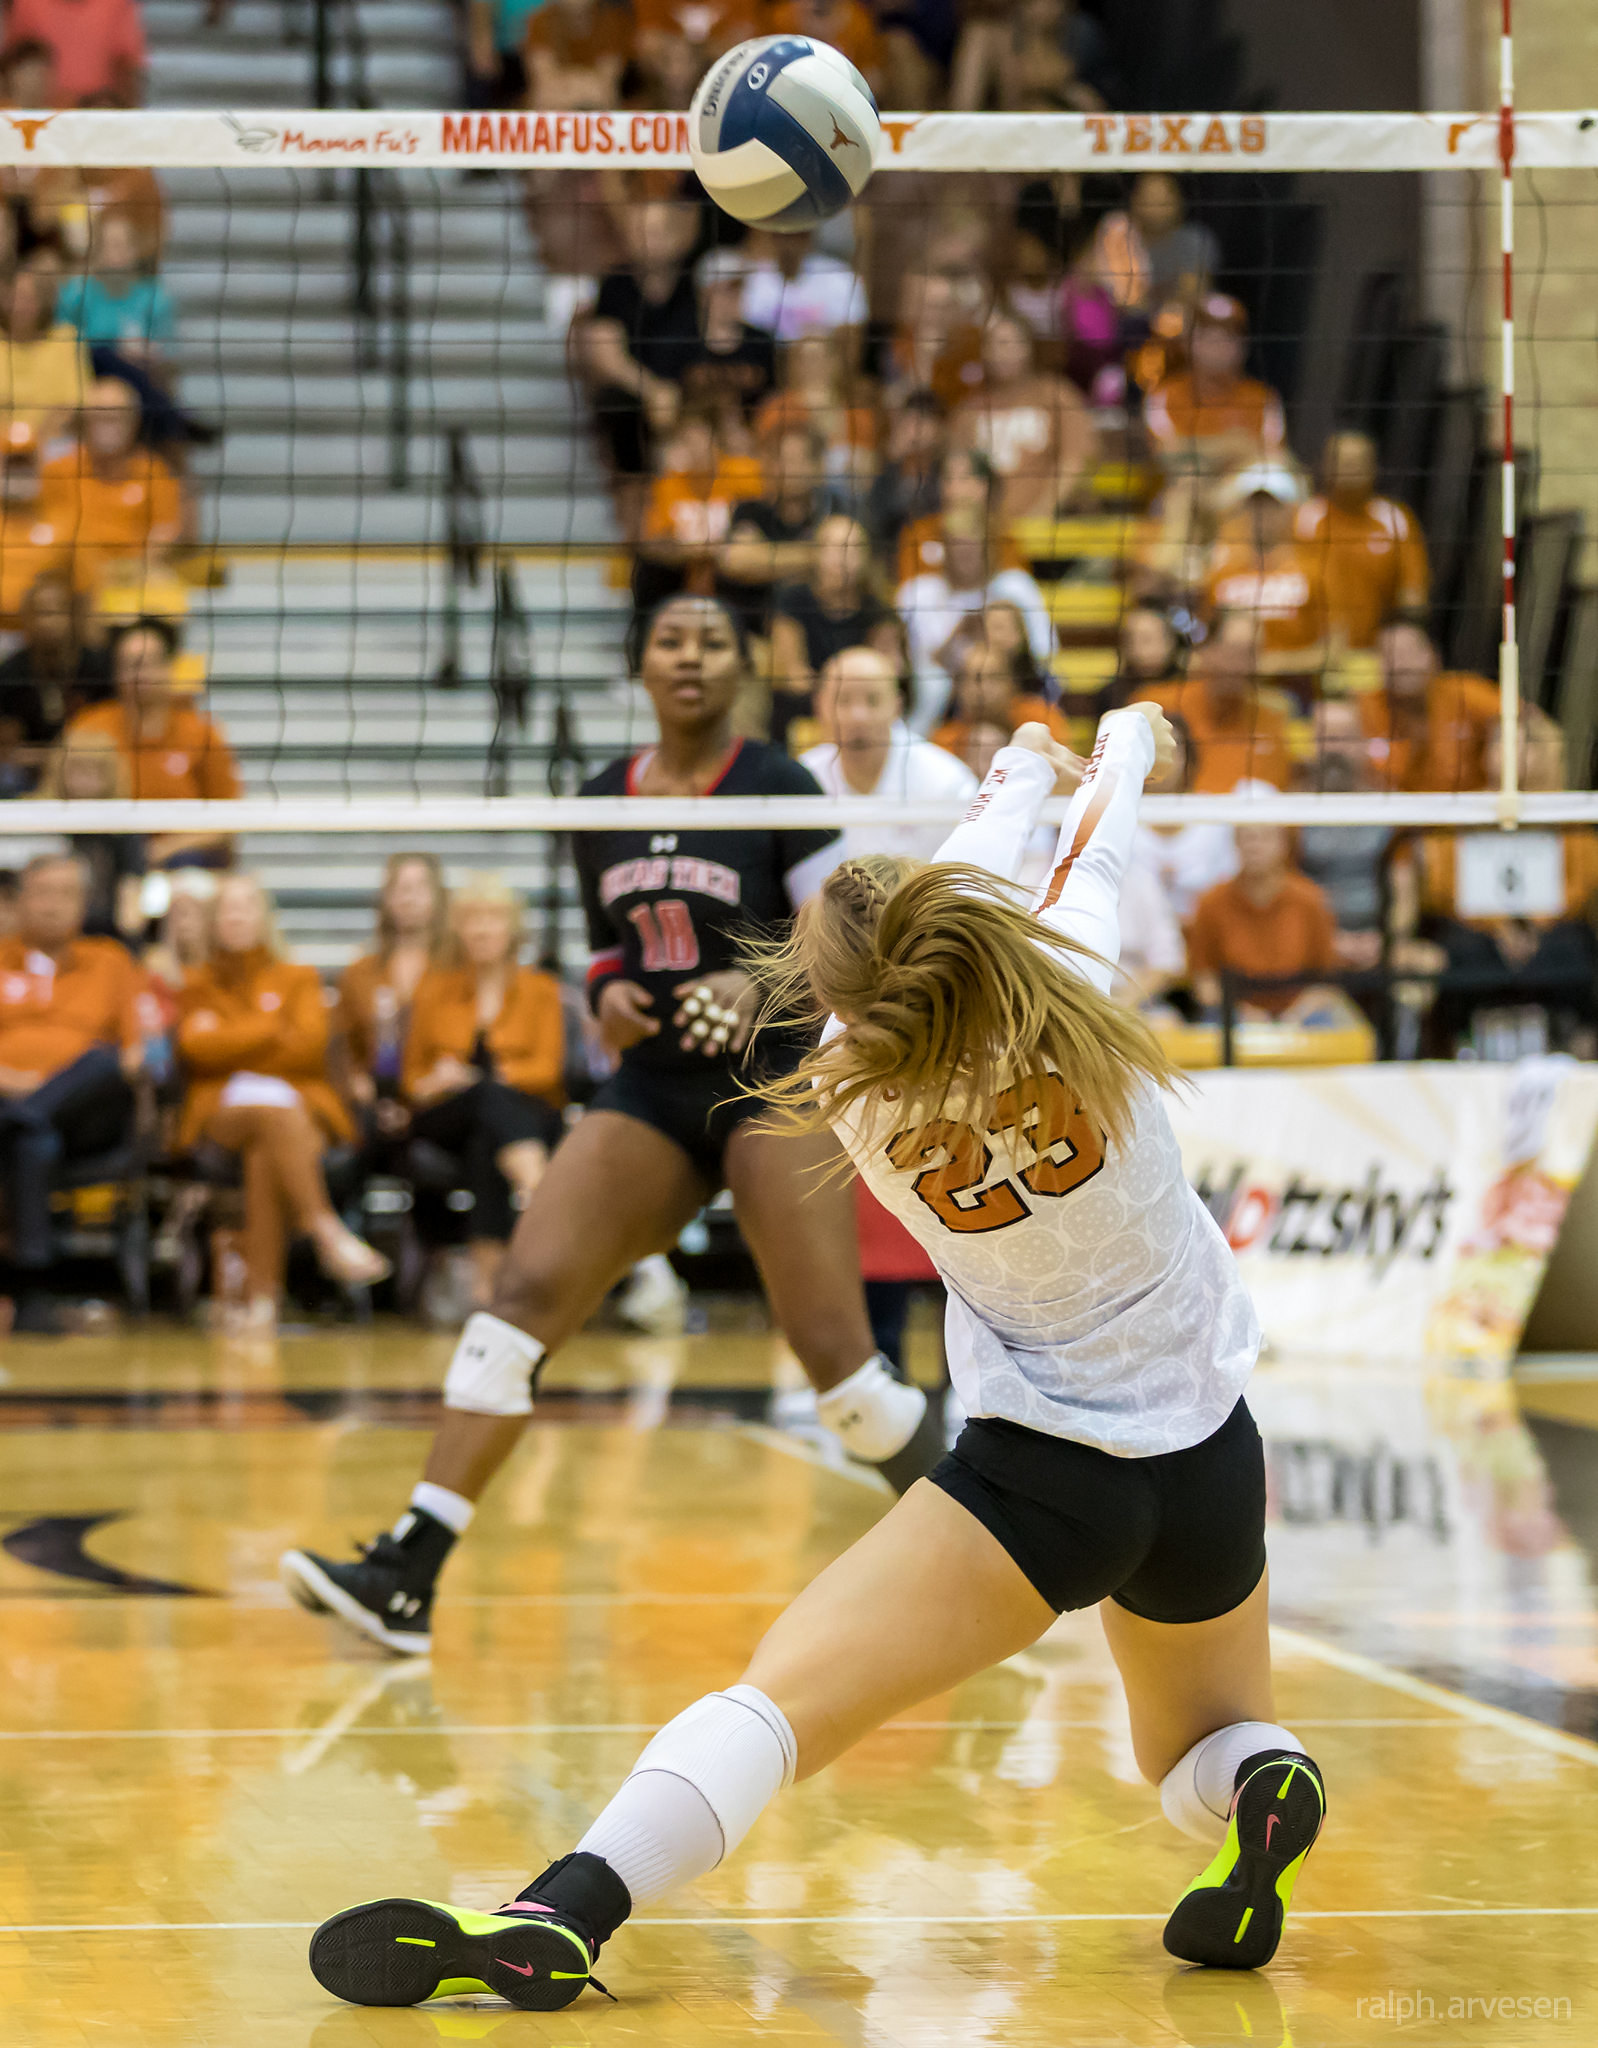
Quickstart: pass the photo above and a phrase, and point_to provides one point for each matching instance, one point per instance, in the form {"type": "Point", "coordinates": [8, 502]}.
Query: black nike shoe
{"type": "Point", "coordinates": [923, 1451]}
{"type": "Point", "coordinates": [1231, 1916]}
{"type": "Point", "coordinates": [382, 1595]}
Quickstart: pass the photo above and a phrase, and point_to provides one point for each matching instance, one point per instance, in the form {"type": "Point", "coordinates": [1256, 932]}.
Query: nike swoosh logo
{"type": "Point", "coordinates": [1269, 1824]}
{"type": "Point", "coordinates": [521, 1969]}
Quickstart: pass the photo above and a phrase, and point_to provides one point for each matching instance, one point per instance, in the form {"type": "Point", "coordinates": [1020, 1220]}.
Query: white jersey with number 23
{"type": "Point", "coordinates": [1091, 1295]}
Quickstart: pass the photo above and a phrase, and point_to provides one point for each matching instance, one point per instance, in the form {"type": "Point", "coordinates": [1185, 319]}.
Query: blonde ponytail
{"type": "Point", "coordinates": [950, 992]}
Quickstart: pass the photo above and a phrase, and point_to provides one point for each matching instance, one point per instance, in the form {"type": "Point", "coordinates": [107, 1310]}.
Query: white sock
{"type": "Point", "coordinates": [454, 1510]}
{"type": "Point", "coordinates": [1196, 1793]}
{"type": "Point", "coordinates": [696, 1791]}
{"type": "Point", "coordinates": [871, 1413]}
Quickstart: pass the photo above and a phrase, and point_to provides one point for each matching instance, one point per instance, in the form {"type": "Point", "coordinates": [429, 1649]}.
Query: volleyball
{"type": "Point", "coordinates": [784, 132]}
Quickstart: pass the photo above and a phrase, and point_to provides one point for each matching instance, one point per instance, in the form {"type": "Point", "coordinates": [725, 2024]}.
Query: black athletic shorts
{"type": "Point", "coordinates": [699, 1112]}
{"type": "Point", "coordinates": [1178, 1537]}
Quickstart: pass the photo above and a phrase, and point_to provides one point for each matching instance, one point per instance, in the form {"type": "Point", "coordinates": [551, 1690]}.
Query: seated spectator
{"type": "Point", "coordinates": [642, 332]}
{"type": "Point", "coordinates": [376, 991]}
{"type": "Point", "coordinates": [496, 58]}
{"type": "Point", "coordinates": [772, 539]}
{"type": "Point", "coordinates": [814, 392]}
{"type": "Point", "coordinates": [1347, 861]}
{"type": "Point", "coordinates": [918, 39]}
{"type": "Point", "coordinates": [1176, 258]}
{"type": "Point", "coordinates": [52, 676]}
{"type": "Point", "coordinates": [1209, 417]}
{"type": "Point", "coordinates": [1153, 955]}
{"type": "Point", "coordinates": [847, 25]}
{"type": "Point", "coordinates": [31, 546]}
{"type": "Point", "coordinates": [575, 52]}
{"type": "Point", "coordinates": [170, 749]}
{"type": "Point", "coordinates": [128, 320]}
{"type": "Point", "coordinates": [45, 371]}
{"type": "Point", "coordinates": [1260, 571]}
{"type": "Point", "coordinates": [870, 751]}
{"type": "Point", "coordinates": [181, 914]}
{"type": "Point", "coordinates": [793, 289]}
{"type": "Point", "coordinates": [98, 46]}
{"type": "Point", "coordinates": [935, 345]}
{"type": "Point", "coordinates": [1428, 730]}
{"type": "Point", "coordinates": [1008, 55]}
{"type": "Point", "coordinates": [483, 1062]}
{"type": "Point", "coordinates": [690, 512]}
{"type": "Point", "coordinates": [253, 1037]}
{"type": "Point", "coordinates": [1235, 732]}
{"type": "Point", "coordinates": [1270, 919]}
{"type": "Point", "coordinates": [69, 1046]}
{"type": "Point", "coordinates": [939, 606]}
{"type": "Point", "coordinates": [1521, 927]}
{"type": "Point", "coordinates": [1033, 428]}
{"type": "Point", "coordinates": [834, 607]}
{"type": "Point", "coordinates": [732, 368]}
{"type": "Point", "coordinates": [965, 485]}
{"type": "Point", "coordinates": [118, 505]}
{"type": "Point", "coordinates": [89, 769]}
{"type": "Point", "coordinates": [1369, 552]}
{"type": "Point", "coordinates": [28, 75]}
{"type": "Point", "coordinates": [906, 488]}
{"type": "Point", "coordinates": [675, 42]}
{"type": "Point", "coordinates": [989, 691]}
{"type": "Point", "coordinates": [1151, 651]}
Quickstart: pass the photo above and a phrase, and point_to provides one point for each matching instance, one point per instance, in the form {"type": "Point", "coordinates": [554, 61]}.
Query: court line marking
{"type": "Point", "coordinates": [1573, 1748]}
{"type": "Point", "coordinates": [457, 1728]}
{"type": "Point", "coordinates": [832, 1920]}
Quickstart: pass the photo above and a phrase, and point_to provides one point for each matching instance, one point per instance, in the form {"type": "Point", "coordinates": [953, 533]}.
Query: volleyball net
{"type": "Point", "coordinates": [433, 444]}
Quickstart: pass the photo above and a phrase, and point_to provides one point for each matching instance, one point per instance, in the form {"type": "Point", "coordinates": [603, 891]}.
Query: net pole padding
{"type": "Point", "coordinates": [258, 138]}
{"type": "Point", "coordinates": [1508, 643]}
{"type": "Point", "coordinates": [408, 818]}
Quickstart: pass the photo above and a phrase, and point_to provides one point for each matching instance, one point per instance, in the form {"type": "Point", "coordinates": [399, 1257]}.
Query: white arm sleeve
{"type": "Point", "coordinates": [1081, 896]}
{"type": "Point", "coordinates": [994, 832]}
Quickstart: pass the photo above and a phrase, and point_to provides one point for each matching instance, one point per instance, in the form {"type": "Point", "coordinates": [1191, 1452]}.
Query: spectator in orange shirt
{"type": "Point", "coordinates": [116, 503]}
{"type": "Point", "coordinates": [1428, 730]}
{"type": "Point", "coordinates": [69, 1044]}
{"type": "Point", "coordinates": [1369, 552]}
{"type": "Point", "coordinates": [814, 393]}
{"type": "Point", "coordinates": [1269, 919]}
{"type": "Point", "coordinates": [1210, 417]}
{"type": "Point", "coordinates": [1151, 651]}
{"type": "Point", "coordinates": [676, 41]}
{"type": "Point", "coordinates": [1033, 427]}
{"type": "Point", "coordinates": [845, 24]}
{"type": "Point", "coordinates": [171, 749]}
{"type": "Point", "coordinates": [935, 346]}
{"type": "Point", "coordinates": [98, 46]}
{"type": "Point", "coordinates": [996, 686]}
{"type": "Point", "coordinates": [252, 1037]}
{"type": "Point", "coordinates": [967, 490]}
{"type": "Point", "coordinates": [576, 52]}
{"type": "Point", "coordinates": [1259, 570]}
{"type": "Point", "coordinates": [483, 1062]}
{"type": "Point", "coordinates": [31, 545]}
{"type": "Point", "coordinates": [1237, 735]}
{"type": "Point", "coordinates": [689, 514]}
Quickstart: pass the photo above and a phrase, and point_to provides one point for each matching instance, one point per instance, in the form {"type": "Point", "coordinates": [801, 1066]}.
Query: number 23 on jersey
{"type": "Point", "coordinates": [1067, 1147]}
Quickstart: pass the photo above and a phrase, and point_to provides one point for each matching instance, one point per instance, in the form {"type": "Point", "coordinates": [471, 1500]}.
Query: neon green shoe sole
{"type": "Point", "coordinates": [404, 1951]}
{"type": "Point", "coordinates": [1231, 1916]}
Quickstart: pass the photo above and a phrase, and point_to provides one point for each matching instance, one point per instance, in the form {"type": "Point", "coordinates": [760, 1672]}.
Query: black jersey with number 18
{"type": "Point", "coordinates": [665, 906]}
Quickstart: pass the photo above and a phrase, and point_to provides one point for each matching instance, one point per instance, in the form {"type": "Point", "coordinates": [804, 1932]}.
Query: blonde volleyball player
{"type": "Point", "coordinates": [997, 1100]}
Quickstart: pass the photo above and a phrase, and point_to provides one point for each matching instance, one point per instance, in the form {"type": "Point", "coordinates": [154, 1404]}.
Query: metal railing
{"type": "Point", "coordinates": [463, 546]}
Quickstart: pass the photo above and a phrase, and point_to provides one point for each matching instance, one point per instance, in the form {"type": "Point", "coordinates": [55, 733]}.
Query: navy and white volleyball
{"type": "Point", "coordinates": [783, 132]}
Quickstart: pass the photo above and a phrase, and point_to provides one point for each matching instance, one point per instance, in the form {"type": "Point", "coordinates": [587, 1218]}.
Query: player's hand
{"type": "Point", "coordinates": [623, 1011]}
{"type": "Point", "coordinates": [1036, 737]}
{"type": "Point", "coordinates": [716, 1012]}
{"type": "Point", "coordinates": [1165, 753]}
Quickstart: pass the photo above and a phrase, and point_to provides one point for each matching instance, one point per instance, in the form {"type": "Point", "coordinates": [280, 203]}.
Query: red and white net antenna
{"type": "Point", "coordinates": [1509, 646]}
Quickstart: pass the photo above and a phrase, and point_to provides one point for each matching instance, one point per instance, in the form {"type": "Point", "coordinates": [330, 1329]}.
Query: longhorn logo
{"type": "Point", "coordinates": [896, 131]}
{"type": "Point", "coordinates": [839, 139]}
{"type": "Point", "coordinates": [28, 126]}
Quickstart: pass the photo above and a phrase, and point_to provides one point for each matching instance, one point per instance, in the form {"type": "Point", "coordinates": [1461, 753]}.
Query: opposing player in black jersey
{"type": "Point", "coordinates": [671, 1126]}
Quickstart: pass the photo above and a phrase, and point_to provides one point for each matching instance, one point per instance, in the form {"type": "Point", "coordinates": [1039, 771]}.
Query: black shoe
{"type": "Point", "coordinates": [923, 1451]}
{"type": "Point", "coordinates": [1231, 1915]}
{"type": "Point", "coordinates": [404, 1951]}
{"type": "Point", "coordinates": [38, 1315]}
{"type": "Point", "coordinates": [381, 1596]}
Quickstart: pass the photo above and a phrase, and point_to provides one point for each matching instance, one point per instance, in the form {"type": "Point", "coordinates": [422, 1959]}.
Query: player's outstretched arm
{"type": "Point", "coordinates": [1003, 814]}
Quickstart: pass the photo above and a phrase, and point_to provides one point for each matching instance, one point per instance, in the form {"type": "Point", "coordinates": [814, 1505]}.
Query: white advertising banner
{"type": "Point", "coordinates": [1395, 1215]}
{"type": "Point", "coordinates": [430, 139]}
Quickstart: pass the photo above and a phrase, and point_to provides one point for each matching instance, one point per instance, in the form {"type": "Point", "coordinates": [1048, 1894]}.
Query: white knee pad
{"type": "Point", "coordinates": [737, 1751]}
{"type": "Point", "coordinates": [492, 1370]}
{"type": "Point", "coordinates": [872, 1413]}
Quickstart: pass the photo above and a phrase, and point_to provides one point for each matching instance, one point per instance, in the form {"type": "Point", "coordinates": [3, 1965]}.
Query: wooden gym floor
{"type": "Point", "coordinates": [193, 1773]}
